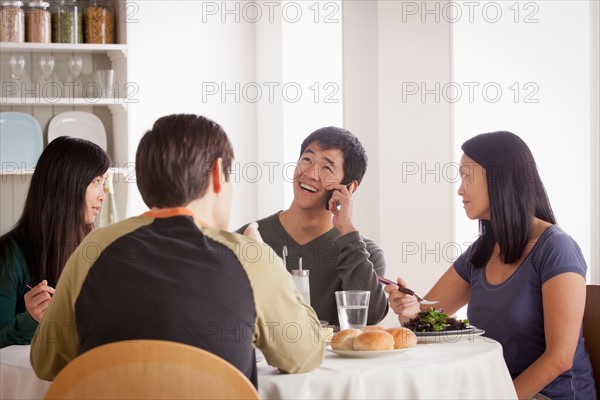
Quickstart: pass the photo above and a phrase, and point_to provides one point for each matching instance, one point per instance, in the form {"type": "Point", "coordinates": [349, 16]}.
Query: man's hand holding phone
{"type": "Point", "coordinates": [339, 202]}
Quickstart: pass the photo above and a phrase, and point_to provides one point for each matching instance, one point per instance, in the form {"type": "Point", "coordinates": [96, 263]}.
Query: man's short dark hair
{"type": "Point", "coordinates": [355, 156]}
{"type": "Point", "coordinates": [174, 159]}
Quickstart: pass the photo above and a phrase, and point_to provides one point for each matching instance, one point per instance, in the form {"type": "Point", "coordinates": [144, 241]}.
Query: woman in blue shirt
{"type": "Point", "coordinates": [523, 278]}
{"type": "Point", "coordinates": [65, 196]}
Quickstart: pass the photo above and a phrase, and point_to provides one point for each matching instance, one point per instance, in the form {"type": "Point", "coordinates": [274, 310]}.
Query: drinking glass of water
{"type": "Point", "coordinates": [352, 306]}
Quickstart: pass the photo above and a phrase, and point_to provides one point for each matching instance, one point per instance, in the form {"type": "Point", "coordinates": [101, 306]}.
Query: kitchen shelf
{"type": "Point", "coordinates": [113, 112]}
{"type": "Point", "coordinates": [115, 105]}
{"type": "Point", "coordinates": [114, 51]}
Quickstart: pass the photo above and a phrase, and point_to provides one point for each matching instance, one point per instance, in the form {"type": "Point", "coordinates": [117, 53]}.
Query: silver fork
{"type": "Point", "coordinates": [406, 290]}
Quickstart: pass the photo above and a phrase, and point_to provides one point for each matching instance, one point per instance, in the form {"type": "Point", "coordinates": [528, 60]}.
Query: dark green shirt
{"type": "Point", "coordinates": [16, 325]}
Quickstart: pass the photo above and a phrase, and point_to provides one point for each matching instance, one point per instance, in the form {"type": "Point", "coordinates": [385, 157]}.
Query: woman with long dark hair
{"type": "Point", "coordinates": [523, 278]}
{"type": "Point", "coordinates": [64, 198]}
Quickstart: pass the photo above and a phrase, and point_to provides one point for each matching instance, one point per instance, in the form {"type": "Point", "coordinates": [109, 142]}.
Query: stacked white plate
{"type": "Point", "coordinates": [78, 124]}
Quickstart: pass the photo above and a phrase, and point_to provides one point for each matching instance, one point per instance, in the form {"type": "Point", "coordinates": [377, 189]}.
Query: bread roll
{"type": "Point", "coordinates": [374, 340]}
{"type": "Point", "coordinates": [344, 340]}
{"type": "Point", "coordinates": [403, 337]}
{"type": "Point", "coordinates": [373, 328]}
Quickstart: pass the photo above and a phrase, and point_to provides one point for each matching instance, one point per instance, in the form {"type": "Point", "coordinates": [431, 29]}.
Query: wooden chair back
{"type": "Point", "coordinates": [591, 328]}
{"type": "Point", "coordinates": [150, 369]}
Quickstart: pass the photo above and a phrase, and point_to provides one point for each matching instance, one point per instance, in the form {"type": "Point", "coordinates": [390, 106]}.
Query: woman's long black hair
{"type": "Point", "coordinates": [53, 222]}
{"type": "Point", "coordinates": [516, 194]}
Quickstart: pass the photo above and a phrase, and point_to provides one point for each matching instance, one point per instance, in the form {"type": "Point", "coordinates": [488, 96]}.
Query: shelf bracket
{"type": "Point", "coordinates": [117, 108]}
{"type": "Point", "coordinates": [115, 55]}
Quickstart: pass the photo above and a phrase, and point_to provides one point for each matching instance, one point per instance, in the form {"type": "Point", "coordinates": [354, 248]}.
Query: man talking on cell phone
{"type": "Point", "coordinates": [319, 228]}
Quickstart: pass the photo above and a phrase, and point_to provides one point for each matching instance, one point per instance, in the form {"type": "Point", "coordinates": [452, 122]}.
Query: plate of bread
{"type": "Point", "coordinates": [372, 341]}
{"type": "Point", "coordinates": [367, 354]}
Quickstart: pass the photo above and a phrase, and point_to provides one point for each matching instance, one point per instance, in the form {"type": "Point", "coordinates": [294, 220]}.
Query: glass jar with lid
{"type": "Point", "coordinates": [99, 22]}
{"type": "Point", "coordinates": [12, 21]}
{"type": "Point", "coordinates": [38, 22]}
{"type": "Point", "coordinates": [67, 22]}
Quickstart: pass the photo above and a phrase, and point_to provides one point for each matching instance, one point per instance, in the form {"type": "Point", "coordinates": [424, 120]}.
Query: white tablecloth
{"type": "Point", "coordinates": [471, 368]}
{"type": "Point", "coordinates": [17, 379]}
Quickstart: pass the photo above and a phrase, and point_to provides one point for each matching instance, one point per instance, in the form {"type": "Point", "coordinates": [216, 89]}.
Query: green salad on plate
{"type": "Point", "coordinates": [435, 321]}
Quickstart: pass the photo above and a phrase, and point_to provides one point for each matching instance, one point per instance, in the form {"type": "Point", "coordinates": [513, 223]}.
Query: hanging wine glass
{"type": "Point", "coordinates": [75, 67]}
{"type": "Point", "coordinates": [47, 69]}
{"type": "Point", "coordinates": [17, 67]}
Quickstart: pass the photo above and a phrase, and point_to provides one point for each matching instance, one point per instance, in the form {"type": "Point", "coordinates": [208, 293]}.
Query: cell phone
{"type": "Point", "coordinates": [330, 193]}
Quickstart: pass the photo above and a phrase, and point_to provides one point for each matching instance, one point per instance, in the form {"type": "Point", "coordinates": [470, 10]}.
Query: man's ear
{"type": "Point", "coordinates": [217, 175]}
{"type": "Point", "coordinates": [352, 186]}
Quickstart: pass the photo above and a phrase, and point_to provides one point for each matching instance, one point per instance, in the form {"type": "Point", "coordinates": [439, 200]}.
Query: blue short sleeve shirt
{"type": "Point", "coordinates": [512, 313]}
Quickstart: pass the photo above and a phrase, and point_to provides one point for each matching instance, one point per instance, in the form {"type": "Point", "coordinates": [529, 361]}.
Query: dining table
{"type": "Point", "coordinates": [454, 367]}
{"type": "Point", "coordinates": [443, 367]}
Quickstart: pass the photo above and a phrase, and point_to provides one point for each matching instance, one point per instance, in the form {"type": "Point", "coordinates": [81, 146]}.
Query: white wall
{"type": "Point", "coordinates": [415, 145]}
{"type": "Point", "coordinates": [395, 53]}
{"type": "Point", "coordinates": [528, 65]}
{"type": "Point", "coordinates": [312, 62]}
{"type": "Point", "coordinates": [361, 105]}
{"type": "Point", "coordinates": [299, 55]}
{"type": "Point", "coordinates": [182, 64]}
{"type": "Point", "coordinates": [268, 73]}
